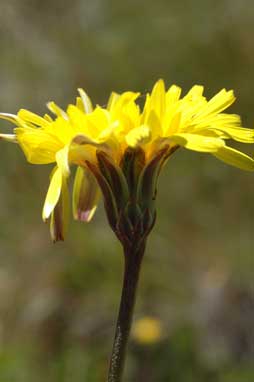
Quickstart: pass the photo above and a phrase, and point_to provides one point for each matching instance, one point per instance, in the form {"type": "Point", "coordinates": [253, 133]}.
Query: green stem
{"type": "Point", "coordinates": [133, 260]}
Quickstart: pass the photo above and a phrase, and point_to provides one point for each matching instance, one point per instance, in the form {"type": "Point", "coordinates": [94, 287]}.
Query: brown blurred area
{"type": "Point", "coordinates": [58, 303]}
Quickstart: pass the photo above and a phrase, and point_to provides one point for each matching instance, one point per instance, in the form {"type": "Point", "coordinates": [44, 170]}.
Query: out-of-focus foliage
{"type": "Point", "coordinates": [58, 303]}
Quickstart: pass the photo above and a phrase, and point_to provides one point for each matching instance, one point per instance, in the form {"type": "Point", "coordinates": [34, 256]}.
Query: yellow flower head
{"type": "Point", "coordinates": [120, 149]}
{"type": "Point", "coordinates": [147, 330]}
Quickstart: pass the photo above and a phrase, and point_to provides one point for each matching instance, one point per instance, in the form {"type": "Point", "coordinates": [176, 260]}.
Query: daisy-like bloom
{"type": "Point", "coordinates": [120, 149]}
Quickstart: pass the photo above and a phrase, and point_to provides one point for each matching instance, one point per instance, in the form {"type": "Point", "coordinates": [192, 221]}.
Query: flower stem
{"type": "Point", "coordinates": [133, 259]}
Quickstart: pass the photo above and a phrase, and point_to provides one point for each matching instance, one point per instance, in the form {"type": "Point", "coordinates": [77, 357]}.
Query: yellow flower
{"type": "Point", "coordinates": [121, 148]}
{"type": "Point", "coordinates": [147, 330]}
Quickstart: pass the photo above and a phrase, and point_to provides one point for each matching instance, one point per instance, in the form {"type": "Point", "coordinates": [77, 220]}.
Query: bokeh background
{"type": "Point", "coordinates": [58, 303]}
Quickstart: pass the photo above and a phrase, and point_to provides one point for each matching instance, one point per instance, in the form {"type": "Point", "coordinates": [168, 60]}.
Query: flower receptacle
{"type": "Point", "coordinates": [129, 192]}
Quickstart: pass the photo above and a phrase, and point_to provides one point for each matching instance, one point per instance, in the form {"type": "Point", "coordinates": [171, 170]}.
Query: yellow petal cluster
{"type": "Point", "coordinates": [74, 135]}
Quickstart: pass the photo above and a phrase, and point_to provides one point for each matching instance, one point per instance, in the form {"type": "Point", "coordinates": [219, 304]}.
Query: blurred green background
{"type": "Point", "coordinates": [58, 303]}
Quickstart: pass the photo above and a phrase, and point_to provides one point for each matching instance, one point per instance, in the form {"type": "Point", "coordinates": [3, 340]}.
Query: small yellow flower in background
{"type": "Point", "coordinates": [147, 330]}
{"type": "Point", "coordinates": [120, 149]}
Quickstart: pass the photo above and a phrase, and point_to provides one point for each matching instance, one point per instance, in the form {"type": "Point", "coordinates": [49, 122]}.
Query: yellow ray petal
{"type": "Point", "coordinates": [118, 103]}
{"type": "Point", "coordinates": [79, 104]}
{"type": "Point", "coordinates": [39, 146]}
{"type": "Point", "coordinates": [62, 160]}
{"type": "Point", "coordinates": [198, 142]}
{"type": "Point", "coordinates": [112, 100]}
{"type": "Point", "coordinates": [80, 122]}
{"type": "Point", "coordinates": [53, 193]}
{"type": "Point", "coordinates": [55, 109]}
{"type": "Point", "coordinates": [158, 98]}
{"type": "Point", "coordinates": [216, 121]}
{"type": "Point", "coordinates": [154, 123]}
{"type": "Point", "coordinates": [173, 94]}
{"type": "Point", "coordinates": [8, 137]}
{"type": "Point", "coordinates": [235, 158]}
{"type": "Point", "coordinates": [48, 118]}
{"type": "Point", "coordinates": [239, 134]}
{"type": "Point", "coordinates": [33, 118]}
{"type": "Point", "coordinates": [172, 124]}
{"type": "Point", "coordinates": [195, 92]}
{"type": "Point", "coordinates": [138, 135]}
{"type": "Point", "coordinates": [60, 214]}
{"type": "Point", "coordinates": [218, 103]}
{"type": "Point", "coordinates": [99, 120]}
{"type": "Point", "coordinates": [86, 194]}
{"type": "Point", "coordinates": [88, 107]}
{"type": "Point", "coordinates": [11, 118]}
